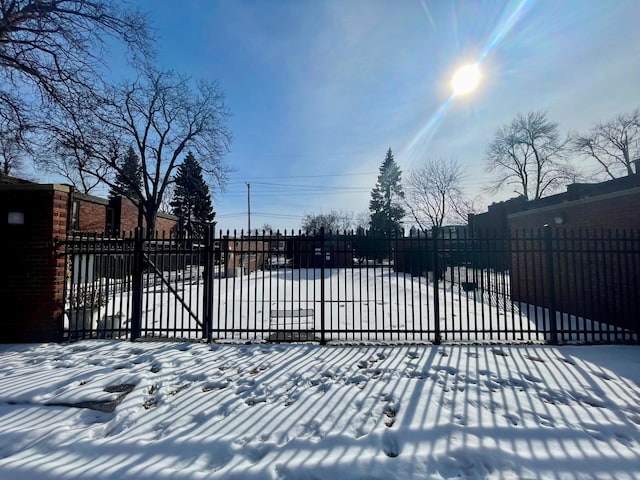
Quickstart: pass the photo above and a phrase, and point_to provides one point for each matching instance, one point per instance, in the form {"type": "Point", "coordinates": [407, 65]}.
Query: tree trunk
{"type": "Point", "coordinates": [150, 219]}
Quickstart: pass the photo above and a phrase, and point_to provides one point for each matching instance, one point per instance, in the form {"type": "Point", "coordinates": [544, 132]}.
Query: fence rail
{"type": "Point", "coordinates": [545, 285]}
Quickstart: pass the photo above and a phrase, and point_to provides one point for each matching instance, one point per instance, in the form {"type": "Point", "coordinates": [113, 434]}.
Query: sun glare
{"type": "Point", "coordinates": [465, 79]}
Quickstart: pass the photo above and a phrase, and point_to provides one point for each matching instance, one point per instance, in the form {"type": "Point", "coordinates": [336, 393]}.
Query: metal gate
{"type": "Point", "coordinates": [132, 287]}
{"type": "Point", "coordinates": [527, 287]}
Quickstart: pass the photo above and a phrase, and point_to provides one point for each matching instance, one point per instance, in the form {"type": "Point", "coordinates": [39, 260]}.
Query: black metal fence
{"type": "Point", "coordinates": [545, 285]}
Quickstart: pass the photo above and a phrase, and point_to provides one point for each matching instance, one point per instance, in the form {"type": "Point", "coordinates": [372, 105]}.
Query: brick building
{"type": "Point", "coordinates": [610, 204]}
{"type": "Point", "coordinates": [590, 257]}
{"type": "Point", "coordinates": [34, 221]}
{"type": "Point", "coordinates": [91, 214]}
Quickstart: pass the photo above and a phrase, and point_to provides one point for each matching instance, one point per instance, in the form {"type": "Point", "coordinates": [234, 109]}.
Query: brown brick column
{"type": "Point", "coordinates": [32, 273]}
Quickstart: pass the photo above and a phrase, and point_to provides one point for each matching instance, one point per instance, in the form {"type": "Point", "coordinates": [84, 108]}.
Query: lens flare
{"type": "Point", "coordinates": [465, 79]}
{"type": "Point", "coordinates": [510, 17]}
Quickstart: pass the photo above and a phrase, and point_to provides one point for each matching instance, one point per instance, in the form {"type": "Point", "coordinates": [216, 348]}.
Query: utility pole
{"type": "Point", "coordinates": [249, 207]}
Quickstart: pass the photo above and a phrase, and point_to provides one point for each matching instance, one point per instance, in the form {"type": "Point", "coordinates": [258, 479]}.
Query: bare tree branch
{"type": "Point", "coordinates": [161, 116]}
{"type": "Point", "coordinates": [529, 155]}
{"type": "Point", "coordinates": [434, 193]}
{"type": "Point", "coordinates": [614, 145]}
{"type": "Point", "coordinates": [54, 49]}
{"type": "Point", "coordinates": [334, 221]}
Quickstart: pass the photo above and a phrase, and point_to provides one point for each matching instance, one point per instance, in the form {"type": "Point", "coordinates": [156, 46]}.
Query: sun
{"type": "Point", "coordinates": [466, 79]}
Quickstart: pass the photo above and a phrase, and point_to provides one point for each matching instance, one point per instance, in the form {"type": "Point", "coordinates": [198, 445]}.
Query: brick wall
{"type": "Point", "coordinates": [129, 219]}
{"type": "Point", "coordinates": [596, 257]}
{"type": "Point", "coordinates": [92, 215]}
{"type": "Point", "coordinates": [614, 210]}
{"type": "Point", "coordinates": [32, 273]}
{"type": "Point", "coordinates": [243, 253]}
{"type": "Point", "coordinates": [128, 215]}
{"type": "Point", "coordinates": [166, 223]}
{"type": "Point", "coordinates": [494, 221]}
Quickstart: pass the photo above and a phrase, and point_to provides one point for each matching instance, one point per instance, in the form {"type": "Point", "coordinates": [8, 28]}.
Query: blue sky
{"type": "Point", "coordinates": [319, 90]}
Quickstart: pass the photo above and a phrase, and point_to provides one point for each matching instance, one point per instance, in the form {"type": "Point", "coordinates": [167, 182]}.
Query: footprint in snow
{"type": "Point", "coordinates": [602, 375]}
{"type": "Point", "coordinates": [513, 419]}
{"type": "Point", "coordinates": [255, 453]}
{"type": "Point", "coordinates": [567, 360]}
{"type": "Point", "coordinates": [554, 397]}
{"type": "Point", "coordinates": [447, 369]}
{"type": "Point", "coordinates": [214, 386]}
{"type": "Point", "coordinates": [531, 378]}
{"type": "Point", "coordinates": [624, 439]}
{"type": "Point", "coordinates": [589, 400]}
{"type": "Point", "coordinates": [545, 421]}
{"type": "Point", "coordinates": [363, 364]}
{"type": "Point", "coordinates": [460, 419]}
{"type": "Point", "coordinates": [390, 445]}
{"type": "Point", "coordinates": [534, 359]}
{"type": "Point", "coordinates": [493, 386]}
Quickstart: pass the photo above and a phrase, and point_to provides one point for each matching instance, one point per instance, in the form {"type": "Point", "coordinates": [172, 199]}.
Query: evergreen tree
{"type": "Point", "coordinates": [191, 199]}
{"type": "Point", "coordinates": [128, 181]}
{"type": "Point", "coordinates": [387, 198]}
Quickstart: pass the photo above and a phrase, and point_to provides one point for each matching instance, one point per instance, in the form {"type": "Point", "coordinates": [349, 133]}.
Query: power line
{"type": "Point", "coordinates": [293, 193]}
{"type": "Point", "coordinates": [323, 187]}
{"type": "Point", "coordinates": [260, 214]}
{"type": "Point", "coordinates": [304, 176]}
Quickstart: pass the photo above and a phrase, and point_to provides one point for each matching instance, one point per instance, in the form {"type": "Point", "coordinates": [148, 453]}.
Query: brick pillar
{"type": "Point", "coordinates": [32, 274]}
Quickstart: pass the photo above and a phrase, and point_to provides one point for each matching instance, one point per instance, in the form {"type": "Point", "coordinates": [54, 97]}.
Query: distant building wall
{"type": "Point", "coordinates": [494, 221]}
{"type": "Point", "coordinates": [113, 216]}
{"type": "Point", "coordinates": [247, 255]}
{"type": "Point", "coordinates": [90, 213]}
{"type": "Point", "coordinates": [596, 257]}
{"type": "Point", "coordinates": [615, 210]}
{"type": "Point", "coordinates": [308, 252]}
{"type": "Point", "coordinates": [127, 213]}
{"type": "Point", "coordinates": [166, 223]}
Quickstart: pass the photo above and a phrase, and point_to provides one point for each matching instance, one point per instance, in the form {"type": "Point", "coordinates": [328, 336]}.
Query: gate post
{"type": "Point", "coordinates": [323, 340]}
{"type": "Point", "coordinates": [137, 284]}
{"type": "Point", "coordinates": [435, 231]}
{"type": "Point", "coordinates": [209, 241]}
{"type": "Point", "coordinates": [551, 285]}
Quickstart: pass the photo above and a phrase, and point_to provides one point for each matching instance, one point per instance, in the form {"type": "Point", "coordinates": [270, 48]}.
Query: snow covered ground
{"type": "Point", "coordinates": [119, 410]}
{"type": "Point", "coordinates": [360, 305]}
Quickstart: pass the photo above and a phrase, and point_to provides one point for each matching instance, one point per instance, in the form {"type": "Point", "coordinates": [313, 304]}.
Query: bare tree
{"type": "Point", "coordinates": [51, 50]}
{"type": "Point", "coordinates": [529, 154]}
{"type": "Point", "coordinates": [162, 117]}
{"type": "Point", "coordinates": [266, 228]}
{"type": "Point", "coordinates": [434, 193]}
{"type": "Point", "coordinates": [334, 221]}
{"type": "Point", "coordinates": [165, 204]}
{"type": "Point", "coordinates": [615, 144]}
{"type": "Point", "coordinates": [361, 221]}
{"type": "Point", "coordinates": [13, 149]}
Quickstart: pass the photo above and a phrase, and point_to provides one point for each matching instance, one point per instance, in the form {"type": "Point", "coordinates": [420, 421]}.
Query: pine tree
{"type": "Point", "coordinates": [128, 181]}
{"type": "Point", "coordinates": [191, 198]}
{"type": "Point", "coordinates": [386, 198]}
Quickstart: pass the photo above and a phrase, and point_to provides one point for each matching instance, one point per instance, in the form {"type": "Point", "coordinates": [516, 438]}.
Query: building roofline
{"type": "Point", "coordinates": [579, 201]}
{"type": "Point", "coordinates": [91, 198]}
{"type": "Point", "coordinates": [35, 187]}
